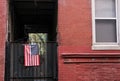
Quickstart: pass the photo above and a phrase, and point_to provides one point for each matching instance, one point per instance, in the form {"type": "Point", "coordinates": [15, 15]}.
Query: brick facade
{"type": "Point", "coordinates": [3, 24]}
{"type": "Point", "coordinates": [76, 60]}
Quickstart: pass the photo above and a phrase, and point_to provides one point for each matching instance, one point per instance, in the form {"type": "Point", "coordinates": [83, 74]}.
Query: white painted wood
{"type": "Point", "coordinates": [103, 18]}
{"type": "Point", "coordinates": [106, 45]}
{"type": "Point", "coordinates": [93, 22]}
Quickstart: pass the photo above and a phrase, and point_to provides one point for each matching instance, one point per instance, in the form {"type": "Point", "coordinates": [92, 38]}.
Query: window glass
{"type": "Point", "coordinates": [106, 31]}
{"type": "Point", "coordinates": [105, 8]}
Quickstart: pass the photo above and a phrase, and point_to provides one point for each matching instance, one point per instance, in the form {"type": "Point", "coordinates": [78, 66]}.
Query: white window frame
{"type": "Point", "coordinates": [106, 45]}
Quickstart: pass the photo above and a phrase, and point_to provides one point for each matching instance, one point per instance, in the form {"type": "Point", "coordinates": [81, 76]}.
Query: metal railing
{"type": "Point", "coordinates": [16, 71]}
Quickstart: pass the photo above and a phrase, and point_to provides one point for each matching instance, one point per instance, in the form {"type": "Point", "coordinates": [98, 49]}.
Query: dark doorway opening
{"type": "Point", "coordinates": [31, 16]}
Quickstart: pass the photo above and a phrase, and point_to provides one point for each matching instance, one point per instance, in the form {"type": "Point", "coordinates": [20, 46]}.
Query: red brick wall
{"type": "Point", "coordinates": [75, 37]}
{"type": "Point", "coordinates": [98, 72]}
{"type": "Point", "coordinates": [74, 22]}
{"type": "Point", "coordinates": [90, 72]}
{"type": "Point", "coordinates": [3, 24]}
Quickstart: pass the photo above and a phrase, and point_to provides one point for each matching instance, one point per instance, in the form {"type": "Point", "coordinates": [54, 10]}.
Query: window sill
{"type": "Point", "coordinates": [105, 47]}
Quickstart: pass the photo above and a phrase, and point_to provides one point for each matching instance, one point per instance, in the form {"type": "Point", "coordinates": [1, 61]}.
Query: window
{"type": "Point", "coordinates": [105, 18]}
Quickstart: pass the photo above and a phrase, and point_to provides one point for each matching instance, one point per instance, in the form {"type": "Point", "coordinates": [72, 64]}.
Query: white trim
{"type": "Point", "coordinates": [103, 18]}
{"type": "Point", "coordinates": [105, 45]}
{"type": "Point", "coordinates": [93, 22]}
{"type": "Point", "coordinates": [117, 26]}
{"type": "Point", "coordinates": [118, 19]}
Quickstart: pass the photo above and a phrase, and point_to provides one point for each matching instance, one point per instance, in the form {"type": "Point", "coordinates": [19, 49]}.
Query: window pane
{"type": "Point", "coordinates": [105, 8]}
{"type": "Point", "coordinates": [106, 31]}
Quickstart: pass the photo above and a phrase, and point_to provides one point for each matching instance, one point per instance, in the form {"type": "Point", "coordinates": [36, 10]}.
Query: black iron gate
{"type": "Point", "coordinates": [16, 71]}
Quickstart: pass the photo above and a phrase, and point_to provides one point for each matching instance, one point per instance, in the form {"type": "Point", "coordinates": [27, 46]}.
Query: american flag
{"type": "Point", "coordinates": [31, 58]}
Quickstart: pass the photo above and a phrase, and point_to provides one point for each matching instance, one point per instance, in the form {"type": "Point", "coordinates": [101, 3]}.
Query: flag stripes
{"type": "Point", "coordinates": [29, 59]}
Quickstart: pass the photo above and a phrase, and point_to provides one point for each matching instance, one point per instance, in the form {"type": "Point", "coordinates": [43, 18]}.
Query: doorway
{"type": "Point", "coordinates": [25, 17]}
